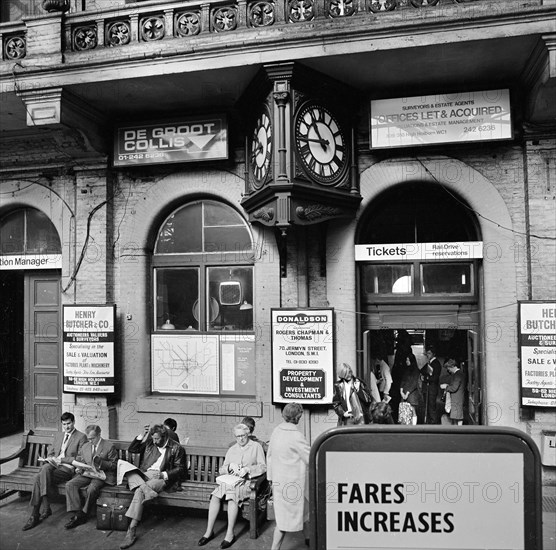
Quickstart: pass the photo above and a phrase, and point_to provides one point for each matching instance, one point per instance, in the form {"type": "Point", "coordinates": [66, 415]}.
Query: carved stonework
{"type": "Point", "coordinates": [261, 14]}
{"type": "Point", "coordinates": [118, 33]}
{"type": "Point", "coordinates": [266, 214]}
{"type": "Point", "coordinates": [382, 5]}
{"type": "Point", "coordinates": [85, 38]}
{"type": "Point", "coordinates": [300, 10]}
{"type": "Point", "coordinates": [315, 211]}
{"type": "Point", "coordinates": [55, 5]}
{"type": "Point", "coordinates": [187, 24]}
{"type": "Point", "coordinates": [341, 8]}
{"type": "Point", "coordinates": [423, 3]}
{"type": "Point", "coordinates": [224, 19]}
{"type": "Point", "coordinates": [15, 47]}
{"type": "Point", "coordinates": [152, 28]}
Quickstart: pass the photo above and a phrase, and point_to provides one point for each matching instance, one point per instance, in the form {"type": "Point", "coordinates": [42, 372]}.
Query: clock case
{"type": "Point", "coordinates": [289, 195]}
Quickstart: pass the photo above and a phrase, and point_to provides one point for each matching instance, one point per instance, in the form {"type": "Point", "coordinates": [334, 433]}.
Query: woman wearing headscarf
{"type": "Point", "coordinates": [288, 457]}
{"type": "Point", "coordinates": [410, 390]}
{"type": "Point", "coordinates": [351, 398]}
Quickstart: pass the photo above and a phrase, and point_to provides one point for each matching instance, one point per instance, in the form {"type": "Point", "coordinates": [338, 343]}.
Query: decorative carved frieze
{"type": "Point", "coordinates": [224, 19]}
{"type": "Point", "coordinates": [187, 23]}
{"type": "Point", "coordinates": [85, 38]}
{"type": "Point", "coordinates": [300, 10]}
{"type": "Point", "coordinates": [313, 212]}
{"type": "Point", "coordinates": [261, 14]}
{"type": "Point", "coordinates": [15, 47]}
{"type": "Point", "coordinates": [152, 28]}
{"type": "Point", "coordinates": [265, 214]}
{"type": "Point", "coordinates": [423, 3]}
{"type": "Point", "coordinates": [118, 33]}
{"type": "Point", "coordinates": [341, 8]}
{"type": "Point", "coordinates": [377, 6]}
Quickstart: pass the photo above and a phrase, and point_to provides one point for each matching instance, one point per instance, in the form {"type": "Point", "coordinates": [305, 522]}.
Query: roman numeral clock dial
{"type": "Point", "coordinates": [320, 144]}
{"type": "Point", "coordinates": [260, 153]}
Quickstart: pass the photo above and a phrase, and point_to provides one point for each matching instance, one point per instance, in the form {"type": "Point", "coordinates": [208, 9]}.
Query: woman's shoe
{"type": "Point", "coordinates": [227, 543]}
{"type": "Point", "coordinates": [204, 540]}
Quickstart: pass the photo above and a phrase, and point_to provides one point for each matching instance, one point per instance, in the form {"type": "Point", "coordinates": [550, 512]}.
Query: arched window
{"type": "Point", "coordinates": [417, 213]}
{"type": "Point", "coordinates": [28, 231]}
{"type": "Point", "coordinates": [202, 272]}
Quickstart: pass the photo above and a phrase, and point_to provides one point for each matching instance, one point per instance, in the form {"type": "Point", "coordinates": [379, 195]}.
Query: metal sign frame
{"type": "Point", "coordinates": [422, 439]}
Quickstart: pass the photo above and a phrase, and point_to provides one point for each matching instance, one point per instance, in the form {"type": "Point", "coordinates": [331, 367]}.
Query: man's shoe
{"type": "Point", "coordinates": [75, 521]}
{"type": "Point", "coordinates": [130, 539]}
{"type": "Point", "coordinates": [204, 540]}
{"type": "Point", "coordinates": [227, 543]}
{"type": "Point", "coordinates": [45, 513]}
{"type": "Point", "coordinates": [33, 521]}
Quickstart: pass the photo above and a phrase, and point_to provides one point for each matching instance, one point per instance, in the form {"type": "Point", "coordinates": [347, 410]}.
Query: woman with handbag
{"type": "Point", "coordinates": [410, 392]}
{"type": "Point", "coordinates": [351, 399]}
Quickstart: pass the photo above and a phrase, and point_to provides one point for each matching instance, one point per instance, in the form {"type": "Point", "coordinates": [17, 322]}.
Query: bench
{"type": "Point", "coordinates": [203, 464]}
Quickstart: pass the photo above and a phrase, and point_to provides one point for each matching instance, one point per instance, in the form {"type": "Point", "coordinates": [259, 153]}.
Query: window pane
{"type": "Point", "coordinates": [227, 239]}
{"type": "Point", "coordinates": [220, 214]}
{"type": "Point", "coordinates": [446, 278]}
{"type": "Point", "coordinates": [182, 232]}
{"type": "Point", "coordinates": [388, 279]}
{"type": "Point", "coordinates": [42, 237]}
{"type": "Point", "coordinates": [12, 233]}
{"type": "Point", "coordinates": [230, 300]}
{"type": "Point", "coordinates": [177, 304]}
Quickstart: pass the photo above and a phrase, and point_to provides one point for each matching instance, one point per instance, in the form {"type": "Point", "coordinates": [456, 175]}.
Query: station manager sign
{"type": "Point", "coordinates": [185, 140]}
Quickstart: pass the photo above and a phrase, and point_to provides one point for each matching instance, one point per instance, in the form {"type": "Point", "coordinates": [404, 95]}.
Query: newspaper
{"type": "Point", "coordinates": [125, 468]}
{"type": "Point", "coordinates": [229, 480]}
{"type": "Point", "coordinates": [89, 471]}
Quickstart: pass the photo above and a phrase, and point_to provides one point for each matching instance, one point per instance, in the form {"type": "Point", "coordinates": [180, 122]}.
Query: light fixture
{"type": "Point", "coordinates": [230, 293]}
{"type": "Point", "coordinates": [245, 306]}
{"type": "Point", "coordinates": [168, 325]}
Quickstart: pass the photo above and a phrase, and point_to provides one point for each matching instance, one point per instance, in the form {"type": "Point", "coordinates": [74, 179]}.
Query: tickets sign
{"type": "Point", "coordinates": [441, 118]}
{"type": "Point", "coordinates": [302, 356]}
{"type": "Point", "coordinates": [185, 140]}
{"type": "Point", "coordinates": [465, 250]}
{"type": "Point", "coordinates": [390, 487]}
{"type": "Point", "coordinates": [537, 351]}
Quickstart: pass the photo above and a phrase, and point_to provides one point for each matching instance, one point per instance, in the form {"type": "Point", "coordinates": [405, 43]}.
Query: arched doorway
{"type": "Point", "coordinates": [406, 288]}
{"type": "Point", "coordinates": [30, 261]}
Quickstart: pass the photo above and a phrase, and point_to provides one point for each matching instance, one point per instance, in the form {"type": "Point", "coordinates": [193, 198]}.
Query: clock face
{"type": "Point", "coordinates": [320, 143]}
{"type": "Point", "coordinates": [261, 150]}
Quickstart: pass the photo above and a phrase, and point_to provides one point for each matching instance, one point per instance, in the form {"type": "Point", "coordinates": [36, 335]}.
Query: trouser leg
{"type": "Point", "coordinates": [93, 490]}
{"type": "Point", "coordinates": [73, 498]}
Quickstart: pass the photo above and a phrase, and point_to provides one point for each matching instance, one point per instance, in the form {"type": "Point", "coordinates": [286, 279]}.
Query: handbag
{"type": "Point", "coordinates": [111, 513]}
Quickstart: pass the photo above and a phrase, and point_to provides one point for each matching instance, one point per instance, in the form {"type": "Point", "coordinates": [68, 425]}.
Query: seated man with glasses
{"type": "Point", "coordinates": [243, 461]}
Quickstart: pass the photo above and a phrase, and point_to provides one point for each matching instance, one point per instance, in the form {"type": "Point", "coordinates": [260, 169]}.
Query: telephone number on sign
{"type": "Point", "coordinates": [484, 128]}
{"type": "Point", "coordinates": [138, 156]}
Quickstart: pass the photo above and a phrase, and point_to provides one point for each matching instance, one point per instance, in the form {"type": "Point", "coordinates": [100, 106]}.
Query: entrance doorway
{"type": "Point", "coordinates": [460, 345]}
{"type": "Point", "coordinates": [30, 387]}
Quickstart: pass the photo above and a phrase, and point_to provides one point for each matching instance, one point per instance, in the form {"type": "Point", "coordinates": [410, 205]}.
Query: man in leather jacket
{"type": "Point", "coordinates": [163, 465]}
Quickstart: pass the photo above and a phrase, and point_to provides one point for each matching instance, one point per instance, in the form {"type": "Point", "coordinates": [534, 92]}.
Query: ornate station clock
{"type": "Point", "coordinates": [260, 150]}
{"type": "Point", "coordinates": [320, 144]}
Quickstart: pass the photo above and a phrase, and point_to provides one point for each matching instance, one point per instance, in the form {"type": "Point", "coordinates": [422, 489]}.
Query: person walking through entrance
{"type": "Point", "coordinates": [57, 468]}
{"type": "Point", "coordinates": [455, 388]}
{"type": "Point", "coordinates": [430, 376]}
{"type": "Point", "coordinates": [351, 398]}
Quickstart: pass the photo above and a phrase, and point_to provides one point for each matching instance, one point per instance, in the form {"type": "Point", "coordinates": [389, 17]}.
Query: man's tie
{"type": "Point", "coordinates": [94, 450]}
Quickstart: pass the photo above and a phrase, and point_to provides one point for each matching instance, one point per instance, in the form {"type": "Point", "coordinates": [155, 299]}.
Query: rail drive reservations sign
{"type": "Point", "coordinates": [425, 488]}
{"type": "Point", "coordinates": [184, 140]}
{"type": "Point", "coordinates": [302, 356]}
{"type": "Point", "coordinates": [537, 351]}
{"type": "Point", "coordinates": [88, 348]}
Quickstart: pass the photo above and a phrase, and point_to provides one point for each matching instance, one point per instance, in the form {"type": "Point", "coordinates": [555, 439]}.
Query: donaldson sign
{"type": "Point", "coordinates": [187, 140]}
{"type": "Point", "coordinates": [302, 356]}
{"type": "Point", "coordinates": [391, 487]}
{"type": "Point", "coordinates": [449, 118]}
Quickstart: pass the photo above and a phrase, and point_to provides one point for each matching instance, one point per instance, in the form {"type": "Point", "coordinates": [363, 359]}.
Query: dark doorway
{"type": "Point", "coordinates": [11, 352]}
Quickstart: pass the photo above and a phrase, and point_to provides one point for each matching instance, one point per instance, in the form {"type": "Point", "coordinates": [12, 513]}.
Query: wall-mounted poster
{"type": "Point", "coordinates": [537, 351]}
{"type": "Point", "coordinates": [302, 355]}
{"type": "Point", "coordinates": [88, 348]}
{"type": "Point", "coordinates": [237, 364]}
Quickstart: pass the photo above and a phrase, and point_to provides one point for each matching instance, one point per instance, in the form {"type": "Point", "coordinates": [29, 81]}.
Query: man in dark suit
{"type": "Point", "coordinates": [162, 464]}
{"type": "Point", "coordinates": [57, 468]}
{"type": "Point", "coordinates": [430, 376]}
{"type": "Point", "coordinates": [102, 457]}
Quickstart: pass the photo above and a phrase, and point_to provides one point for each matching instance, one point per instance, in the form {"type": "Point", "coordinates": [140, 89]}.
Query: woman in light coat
{"type": "Point", "coordinates": [287, 460]}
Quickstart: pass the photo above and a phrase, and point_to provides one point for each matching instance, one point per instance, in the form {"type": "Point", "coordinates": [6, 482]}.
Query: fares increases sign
{"type": "Point", "coordinates": [188, 140]}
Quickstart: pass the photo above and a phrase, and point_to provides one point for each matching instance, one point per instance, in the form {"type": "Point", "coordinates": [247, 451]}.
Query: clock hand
{"type": "Point", "coordinates": [321, 141]}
